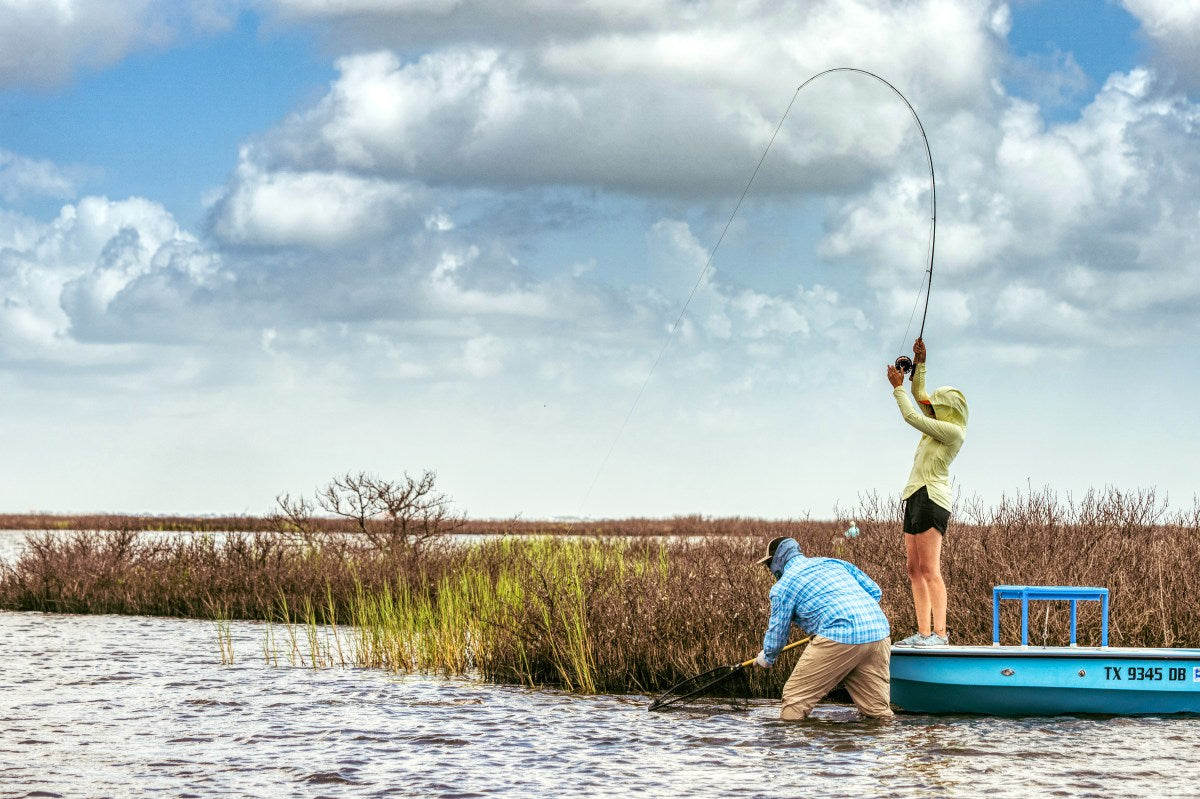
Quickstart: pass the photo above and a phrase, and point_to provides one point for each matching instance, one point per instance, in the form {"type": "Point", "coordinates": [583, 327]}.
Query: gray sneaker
{"type": "Point", "coordinates": [911, 640]}
{"type": "Point", "coordinates": [933, 639]}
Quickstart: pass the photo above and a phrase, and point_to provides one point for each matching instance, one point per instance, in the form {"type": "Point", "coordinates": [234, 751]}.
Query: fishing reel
{"type": "Point", "coordinates": [904, 364]}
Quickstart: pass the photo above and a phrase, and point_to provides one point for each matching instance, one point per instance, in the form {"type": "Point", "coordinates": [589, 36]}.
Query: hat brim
{"type": "Point", "coordinates": [764, 561]}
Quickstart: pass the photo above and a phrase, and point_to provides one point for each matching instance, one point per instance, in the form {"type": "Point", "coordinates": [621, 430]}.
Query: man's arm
{"type": "Point", "coordinates": [778, 627]}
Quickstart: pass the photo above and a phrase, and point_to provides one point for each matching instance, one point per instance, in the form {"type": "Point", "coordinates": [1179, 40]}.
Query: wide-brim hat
{"type": "Point", "coordinates": [771, 547]}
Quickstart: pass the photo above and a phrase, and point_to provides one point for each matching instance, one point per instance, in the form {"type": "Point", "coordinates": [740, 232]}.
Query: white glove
{"type": "Point", "coordinates": [761, 660]}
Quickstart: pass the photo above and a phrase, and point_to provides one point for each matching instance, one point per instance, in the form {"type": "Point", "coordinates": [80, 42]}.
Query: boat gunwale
{"type": "Point", "coordinates": [1057, 652]}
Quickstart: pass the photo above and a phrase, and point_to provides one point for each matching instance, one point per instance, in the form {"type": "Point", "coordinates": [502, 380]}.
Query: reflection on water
{"type": "Point", "coordinates": [12, 542]}
{"type": "Point", "coordinates": [129, 706]}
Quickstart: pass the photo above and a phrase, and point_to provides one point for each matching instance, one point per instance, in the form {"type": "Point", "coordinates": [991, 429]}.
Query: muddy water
{"type": "Point", "coordinates": [124, 706]}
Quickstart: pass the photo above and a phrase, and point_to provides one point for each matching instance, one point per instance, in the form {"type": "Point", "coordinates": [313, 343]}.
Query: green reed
{"type": "Point", "coordinates": [225, 640]}
{"type": "Point", "coordinates": [585, 614]}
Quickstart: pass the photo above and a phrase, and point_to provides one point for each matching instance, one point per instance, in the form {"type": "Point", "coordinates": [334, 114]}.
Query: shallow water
{"type": "Point", "coordinates": [12, 542]}
{"type": "Point", "coordinates": [131, 706]}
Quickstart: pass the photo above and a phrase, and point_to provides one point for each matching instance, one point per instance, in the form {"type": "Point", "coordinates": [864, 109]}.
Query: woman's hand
{"type": "Point", "coordinates": [919, 351]}
{"type": "Point", "coordinates": [895, 377]}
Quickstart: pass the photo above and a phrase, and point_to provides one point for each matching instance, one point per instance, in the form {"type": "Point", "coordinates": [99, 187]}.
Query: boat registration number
{"type": "Point", "coordinates": [1155, 673]}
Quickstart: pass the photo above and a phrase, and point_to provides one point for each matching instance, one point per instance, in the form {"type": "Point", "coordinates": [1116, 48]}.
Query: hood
{"type": "Point", "coordinates": [949, 404]}
{"type": "Point", "coordinates": [787, 551]}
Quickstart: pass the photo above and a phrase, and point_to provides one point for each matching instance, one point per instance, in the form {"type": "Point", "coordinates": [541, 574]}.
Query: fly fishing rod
{"type": "Point", "coordinates": [903, 362]}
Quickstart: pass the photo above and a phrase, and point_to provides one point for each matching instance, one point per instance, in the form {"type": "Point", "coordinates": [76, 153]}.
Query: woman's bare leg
{"type": "Point", "coordinates": [926, 549]}
{"type": "Point", "coordinates": [922, 603]}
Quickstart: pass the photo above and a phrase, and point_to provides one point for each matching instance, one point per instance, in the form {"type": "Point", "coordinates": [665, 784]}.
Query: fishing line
{"type": "Point", "coordinates": [679, 319]}
{"type": "Point", "coordinates": [729, 222]}
{"type": "Point", "coordinates": [900, 361]}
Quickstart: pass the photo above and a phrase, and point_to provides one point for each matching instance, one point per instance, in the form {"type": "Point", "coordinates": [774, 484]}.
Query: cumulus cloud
{"type": "Point", "coordinates": [1173, 26]}
{"type": "Point", "coordinates": [447, 293]}
{"type": "Point", "coordinates": [635, 104]}
{"type": "Point", "coordinates": [724, 312]}
{"type": "Point", "coordinates": [102, 271]}
{"type": "Point", "coordinates": [509, 200]}
{"type": "Point", "coordinates": [1054, 229]}
{"type": "Point", "coordinates": [43, 42]}
{"type": "Point", "coordinates": [24, 178]}
{"type": "Point", "coordinates": [417, 193]}
{"type": "Point", "coordinates": [1052, 217]}
{"type": "Point", "coordinates": [429, 23]}
{"type": "Point", "coordinates": [632, 98]}
{"type": "Point", "coordinates": [310, 209]}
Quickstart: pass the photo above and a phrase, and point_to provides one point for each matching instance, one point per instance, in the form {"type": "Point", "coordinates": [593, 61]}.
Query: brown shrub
{"type": "Point", "coordinates": [678, 596]}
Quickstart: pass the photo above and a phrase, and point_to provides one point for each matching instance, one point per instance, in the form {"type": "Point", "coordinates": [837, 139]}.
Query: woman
{"type": "Point", "coordinates": [942, 420]}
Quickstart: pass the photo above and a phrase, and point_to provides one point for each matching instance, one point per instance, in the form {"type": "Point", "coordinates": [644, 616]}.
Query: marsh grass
{"type": "Point", "coordinates": [621, 608]}
{"type": "Point", "coordinates": [225, 641]}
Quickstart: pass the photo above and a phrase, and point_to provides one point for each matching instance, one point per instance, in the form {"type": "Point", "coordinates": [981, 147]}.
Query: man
{"type": "Point", "coordinates": [838, 605]}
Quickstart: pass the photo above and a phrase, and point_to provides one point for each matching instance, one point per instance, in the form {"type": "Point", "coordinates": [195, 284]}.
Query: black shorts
{"type": "Point", "coordinates": [921, 513]}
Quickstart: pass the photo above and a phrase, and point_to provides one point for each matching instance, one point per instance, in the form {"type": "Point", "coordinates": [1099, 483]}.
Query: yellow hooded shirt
{"type": "Point", "coordinates": [941, 437]}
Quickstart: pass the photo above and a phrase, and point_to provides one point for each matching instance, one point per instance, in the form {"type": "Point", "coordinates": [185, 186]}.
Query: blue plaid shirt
{"type": "Point", "coordinates": [826, 597]}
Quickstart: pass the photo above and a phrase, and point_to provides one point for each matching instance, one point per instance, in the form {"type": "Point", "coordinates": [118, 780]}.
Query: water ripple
{"type": "Point", "coordinates": [142, 707]}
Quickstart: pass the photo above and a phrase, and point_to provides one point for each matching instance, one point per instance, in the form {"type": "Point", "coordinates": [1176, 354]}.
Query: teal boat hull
{"type": "Point", "coordinates": [1046, 681]}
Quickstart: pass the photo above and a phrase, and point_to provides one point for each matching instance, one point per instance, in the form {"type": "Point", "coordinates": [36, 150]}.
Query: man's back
{"type": "Point", "coordinates": [831, 598]}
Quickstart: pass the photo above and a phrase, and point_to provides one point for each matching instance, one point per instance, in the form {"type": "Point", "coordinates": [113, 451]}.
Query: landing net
{"type": "Point", "coordinates": [724, 685]}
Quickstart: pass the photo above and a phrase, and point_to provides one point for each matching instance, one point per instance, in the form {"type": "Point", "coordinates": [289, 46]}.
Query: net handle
{"type": "Point", "coordinates": [792, 645]}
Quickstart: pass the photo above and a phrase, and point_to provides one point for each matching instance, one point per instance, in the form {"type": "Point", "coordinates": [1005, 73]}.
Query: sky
{"type": "Point", "coordinates": [250, 245]}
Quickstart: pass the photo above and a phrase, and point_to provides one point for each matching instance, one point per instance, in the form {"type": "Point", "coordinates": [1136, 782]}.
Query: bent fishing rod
{"type": "Point", "coordinates": [903, 362]}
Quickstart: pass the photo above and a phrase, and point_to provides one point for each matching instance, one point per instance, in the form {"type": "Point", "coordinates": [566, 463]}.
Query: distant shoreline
{"type": "Point", "coordinates": [629, 526]}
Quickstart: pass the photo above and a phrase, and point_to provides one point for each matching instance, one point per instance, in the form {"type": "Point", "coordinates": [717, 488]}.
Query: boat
{"type": "Point", "coordinates": [1046, 681]}
{"type": "Point", "coordinates": [1024, 680]}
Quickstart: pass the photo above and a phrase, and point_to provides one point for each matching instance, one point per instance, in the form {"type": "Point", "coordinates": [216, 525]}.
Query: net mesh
{"type": "Point", "coordinates": [724, 686]}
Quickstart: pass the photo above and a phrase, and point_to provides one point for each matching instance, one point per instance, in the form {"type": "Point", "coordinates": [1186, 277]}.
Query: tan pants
{"type": "Point", "coordinates": [862, 667]}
